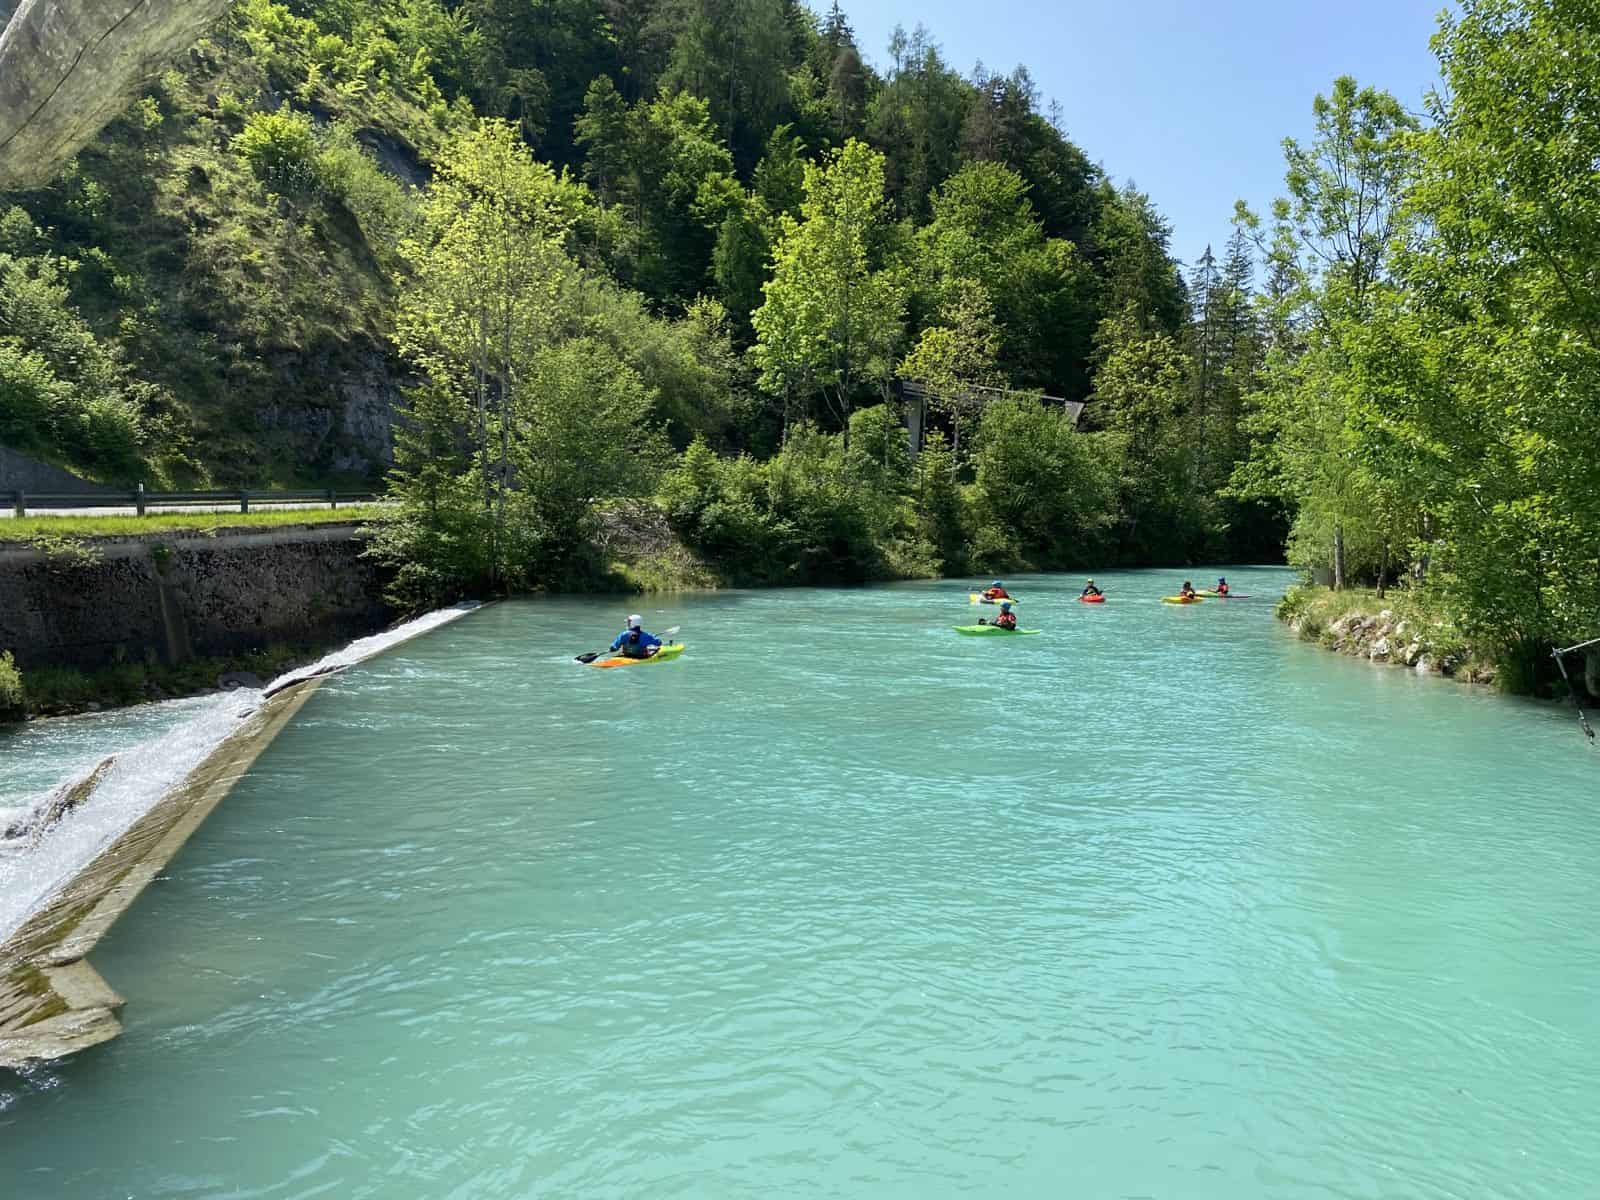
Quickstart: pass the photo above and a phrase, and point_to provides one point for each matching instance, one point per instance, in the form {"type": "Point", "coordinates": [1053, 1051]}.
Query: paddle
{"type": "Point", "coordinates": [594, 654]}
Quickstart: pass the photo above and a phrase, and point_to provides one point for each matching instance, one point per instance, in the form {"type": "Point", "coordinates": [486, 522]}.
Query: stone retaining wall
{"type": "Point", "coordinates": [176, 596]}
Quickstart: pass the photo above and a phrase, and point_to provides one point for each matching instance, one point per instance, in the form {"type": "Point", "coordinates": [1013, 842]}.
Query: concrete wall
{"type": "Point", "coordinates": [19, 473]}
{"type": "Point", "coordinates": [180, 596]}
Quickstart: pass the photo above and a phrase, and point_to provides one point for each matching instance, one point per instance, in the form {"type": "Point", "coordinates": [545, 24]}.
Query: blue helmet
{"type": "Point", "coordinates": [997, 583]}
{"type": "Point", "coordinates": [1005, 606]}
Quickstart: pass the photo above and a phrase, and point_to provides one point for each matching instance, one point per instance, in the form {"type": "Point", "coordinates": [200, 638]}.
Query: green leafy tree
{"type": "Point", "coordinates": [832, 317]}
{"type": "Point", "coordinates": [1334, 233]}
{"type": "Point", "coordinates": [984, 229]}
{"type": "Point", "coordinates": [1480, 365]}
{"type": "Point", "coordinates": [1045, 494]}
{"type": "Point", "coordinates": [488, 269]}
{"type": "Point", "coordinates": [1140, 397]}
{"type": "Point", "coordinates": [955, 360]}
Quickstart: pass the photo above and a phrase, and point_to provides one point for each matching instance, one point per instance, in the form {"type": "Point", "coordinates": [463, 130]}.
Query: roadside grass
{"type": "Point", "coordinates": [30, 529]}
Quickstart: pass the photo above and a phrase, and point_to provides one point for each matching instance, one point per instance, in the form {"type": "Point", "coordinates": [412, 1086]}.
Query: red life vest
{"type": "Point", "coordinates": [1006, 620]}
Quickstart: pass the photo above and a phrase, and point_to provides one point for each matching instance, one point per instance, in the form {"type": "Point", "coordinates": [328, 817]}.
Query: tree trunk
{"type": "Point", "coordinates": [1383, 571]}
{"type": "Point", "coordinates": [1338, 558]}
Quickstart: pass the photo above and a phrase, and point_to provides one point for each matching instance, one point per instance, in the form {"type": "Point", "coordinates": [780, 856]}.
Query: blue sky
{"type": "Point", "coordinates": [1190, 100]}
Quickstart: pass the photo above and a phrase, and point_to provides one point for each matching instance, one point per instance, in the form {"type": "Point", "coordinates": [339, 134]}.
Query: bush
{"type": "Point", "coordinates": [812, 514]}
{"type": "Point", "coordinates": [63, 393]}
{"type": "Point", "coordinates": [13, 700]}
{"type": "Point", "coordinates": [347, 173]}
{"type": "Point", "coordinates": [281, 149]}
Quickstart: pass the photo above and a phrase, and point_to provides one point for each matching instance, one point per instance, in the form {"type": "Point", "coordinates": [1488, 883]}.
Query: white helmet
{"type": "Point", "coordinates": [633, 621]}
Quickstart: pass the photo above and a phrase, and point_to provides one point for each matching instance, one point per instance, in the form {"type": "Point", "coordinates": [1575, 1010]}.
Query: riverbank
{"type": "Point", "coordinates": [1399, 629]}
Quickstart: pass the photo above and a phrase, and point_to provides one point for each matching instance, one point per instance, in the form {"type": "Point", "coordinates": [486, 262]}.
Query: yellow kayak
{"type": "Point", "coordinates": [1181, 600]}
{"type": "Point", "coordinates": [666, 654]}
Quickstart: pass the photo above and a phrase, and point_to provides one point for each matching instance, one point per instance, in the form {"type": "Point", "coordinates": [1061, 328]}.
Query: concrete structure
{"type": "Point", "coordinates": [916, 398]}
{"type": "Point", "coordinates": [21, 473]}
{"type": "Point", "coordinates": [52, 1002]}
{"type": "Point", "coordinates": [182, 595]}
{"type": "Point", "coordinates": [67, 67]}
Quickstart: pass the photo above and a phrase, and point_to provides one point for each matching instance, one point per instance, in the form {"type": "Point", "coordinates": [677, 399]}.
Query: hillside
{"type": "Point", "coordinates": [206, 294]}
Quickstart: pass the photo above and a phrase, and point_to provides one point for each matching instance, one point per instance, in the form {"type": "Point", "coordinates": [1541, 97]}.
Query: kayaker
{"type": "Point", "coordinates": [1187, 590]}
{"type": "Point", "coordinates": [634, 642]}
{"type": "Point", "coordinates": [1007, 619]}
{"type": "Point", "coordinates": [1089, 589]}
{"type": "Point", "coordinates": [1222, 586]}
{"type": "Point", "coordinates": [996, 591]}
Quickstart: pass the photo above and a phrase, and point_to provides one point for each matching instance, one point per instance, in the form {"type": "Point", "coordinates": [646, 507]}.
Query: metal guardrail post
{"type": "Point", "coordinates": [138, 501]}
{"type": "Point", "coordinates": [333, 498]}
{"type": "Point", "coordinates": [20, 502]}
{"type": "Point", "coordinates": [244, 502]}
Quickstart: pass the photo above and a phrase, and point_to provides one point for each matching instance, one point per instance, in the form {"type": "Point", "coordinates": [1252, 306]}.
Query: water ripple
{"type": "Point", "coordinates": [1160, 903]}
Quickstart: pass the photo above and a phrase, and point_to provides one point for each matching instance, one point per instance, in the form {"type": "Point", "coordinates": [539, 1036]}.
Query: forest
{"type": "Point", "coordinates": [576, 257]}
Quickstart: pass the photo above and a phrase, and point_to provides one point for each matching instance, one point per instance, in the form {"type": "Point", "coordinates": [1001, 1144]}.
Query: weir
{"type": "Point", "coordinates": [81, 854]}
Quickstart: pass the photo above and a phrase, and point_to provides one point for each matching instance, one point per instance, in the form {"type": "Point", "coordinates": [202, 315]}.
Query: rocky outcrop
{"type": "Point", "coordinates": [32, 824]}
{"type": "Point", "coordinates": [1391, 640]}
{"type": "Point", "coordinates": [68, 67]}
{"type": "Point", "coordinates": [350, 426]}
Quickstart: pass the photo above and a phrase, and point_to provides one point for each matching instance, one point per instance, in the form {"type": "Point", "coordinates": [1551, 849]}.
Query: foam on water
{"type": "Point", "coordinates": [33, 867]}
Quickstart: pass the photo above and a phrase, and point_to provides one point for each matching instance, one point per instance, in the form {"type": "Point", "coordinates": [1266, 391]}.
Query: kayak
{"type": "Point", "coordinates": [975, 598]}
{"type": "Point", "coordinates": [1100, 599]}
{"type": "Point", "coordinates": [666, 654]}
{"type": "Point", "coordinates": [1180, 599]}
{"type": "Point", "coordinates": [1220, 596]}
{"type": "Point", "coordinates": [992, 631]}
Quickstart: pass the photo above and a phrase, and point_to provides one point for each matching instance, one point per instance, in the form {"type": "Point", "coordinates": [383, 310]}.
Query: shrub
{"type": "Point", "coordinates": [346, 172]}
{"type": "Point", "coordinates": [13, 700]}
{"type": "Point", "coordinates": [812, 514]}
{"type": "Point", "coordinates": [281, 149]}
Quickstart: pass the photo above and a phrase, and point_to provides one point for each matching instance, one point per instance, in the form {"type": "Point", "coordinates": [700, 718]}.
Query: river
{"type": "Point", "coordinates": [1159, 903]}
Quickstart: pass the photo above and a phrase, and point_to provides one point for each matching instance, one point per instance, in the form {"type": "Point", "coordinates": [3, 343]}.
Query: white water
{"type": "Point", "coordinates": [143, 772]}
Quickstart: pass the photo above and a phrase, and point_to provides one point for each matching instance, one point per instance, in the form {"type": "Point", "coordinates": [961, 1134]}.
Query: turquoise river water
{"type": "Point", "coordinates": [1162, 903]}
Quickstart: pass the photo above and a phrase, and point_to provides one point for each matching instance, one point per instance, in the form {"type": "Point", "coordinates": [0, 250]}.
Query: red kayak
{"type": "Point", "coordinates": [1100, 599]}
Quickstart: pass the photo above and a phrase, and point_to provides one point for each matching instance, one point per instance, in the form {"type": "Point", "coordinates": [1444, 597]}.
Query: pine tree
{"type": "Point", "coordinates": [1205, 354]}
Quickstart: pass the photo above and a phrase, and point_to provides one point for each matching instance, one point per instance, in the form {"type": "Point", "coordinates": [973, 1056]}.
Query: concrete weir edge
{"type": "Point", "coordinates": [52, 1001]}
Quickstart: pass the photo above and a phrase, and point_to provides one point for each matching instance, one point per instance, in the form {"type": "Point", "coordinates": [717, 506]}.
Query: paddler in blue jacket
{"type": "Point", "coordinates": [634, 642]}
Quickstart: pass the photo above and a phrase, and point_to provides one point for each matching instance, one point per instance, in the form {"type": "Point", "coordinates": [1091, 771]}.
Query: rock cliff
{"type": "Point", "coordinates": [67, 67]}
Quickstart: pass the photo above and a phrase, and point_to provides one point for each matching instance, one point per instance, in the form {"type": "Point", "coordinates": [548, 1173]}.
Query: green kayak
{"type": "Point", "coordinates": [992, 631]}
